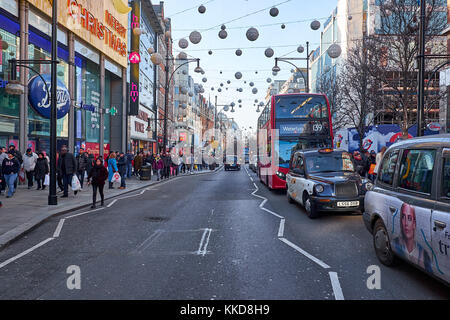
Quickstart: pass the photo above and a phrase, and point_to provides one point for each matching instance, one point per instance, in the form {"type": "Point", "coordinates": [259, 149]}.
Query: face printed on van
{"type": "Point", "coordinates": [408, 221]}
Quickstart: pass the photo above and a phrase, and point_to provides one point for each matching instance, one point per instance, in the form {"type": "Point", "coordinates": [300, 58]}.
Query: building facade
{"type": "Point", "coordinates": [92, 50]}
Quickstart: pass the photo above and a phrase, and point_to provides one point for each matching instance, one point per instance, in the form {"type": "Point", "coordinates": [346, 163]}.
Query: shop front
{"type": "Point", "coordinates": [91, 88]}
{"type": "Point", "coordinates": [141, 131]}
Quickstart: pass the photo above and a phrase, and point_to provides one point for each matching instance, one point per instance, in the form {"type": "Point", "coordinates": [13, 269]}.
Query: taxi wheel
{"type": "Point", "coordinates": [382, 246]}
{"type": "Point", "coordinates": [289, 198]}
{"type": "Point", "coordinates": [311, 210]}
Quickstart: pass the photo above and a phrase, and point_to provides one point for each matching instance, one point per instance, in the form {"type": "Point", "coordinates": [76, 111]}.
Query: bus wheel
{"type": "Point", "coordinates": [310, 208]}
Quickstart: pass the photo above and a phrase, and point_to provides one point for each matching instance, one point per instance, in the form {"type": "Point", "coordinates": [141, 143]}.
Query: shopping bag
{"type": "Point", "coordinates": [116, 178]}
{"type": "Point", "coordinates": [22, 175]}
{"type": "Point", "coordinates": [372, 169]}
{"type": "Point", "coordinates": [76, 185]}
{"type": "Point", "coordinates": [47, 180]}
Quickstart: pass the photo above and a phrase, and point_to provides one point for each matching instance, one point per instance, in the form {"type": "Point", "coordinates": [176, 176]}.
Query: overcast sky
{"type": "Point", "coordinates": [297, 16]}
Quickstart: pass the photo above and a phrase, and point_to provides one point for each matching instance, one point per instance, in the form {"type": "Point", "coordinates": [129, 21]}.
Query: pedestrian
{"type": "Point", "coordinates": [167, 164]}
{"type": "Point", "coordinates": [41, 170]}
{"type": "Point", "coordinates": [112, 168]}
{"type": "Point", "coordinates": [372, 161]}
{"type": "Point", "coordinates": [130, 158]}
{"type": "Point", "coordinates": [97, 177]}
{"type": "Point", "coordinates": [10, 170]}
{"type": "Point", "coordinates": [122, 166]}
{"type": "Point", "coordinates": [138, 160]}
{"type": "Point", "coordinates": [82, 161]}
{"type": "Point", "coordinates": [91, 161]}
{"type": "Point", "coordinates": [17, 154]}
{"type": "Point", "coordinates": [59, 178]}
{"type": "Point", "coordinates": [378, 159]}
{"type": "Point", "coordinates": [358, 163]}
{"type": "Point", "coordinates": [3, 156]}
{"type": "Point", "coordinates": [29, 163]}
{"type": "Point", "coordinates": [158, 165]}
{"type": "Point", "coordinates": [67, 166]}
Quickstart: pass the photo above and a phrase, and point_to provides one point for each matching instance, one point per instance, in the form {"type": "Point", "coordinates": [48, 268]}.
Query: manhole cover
{"type": "Point", "coordinates": [156, 219]}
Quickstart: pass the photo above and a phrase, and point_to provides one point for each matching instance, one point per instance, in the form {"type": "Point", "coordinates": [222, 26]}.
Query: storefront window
{"type": "Point", "coordinates": [9, 104]}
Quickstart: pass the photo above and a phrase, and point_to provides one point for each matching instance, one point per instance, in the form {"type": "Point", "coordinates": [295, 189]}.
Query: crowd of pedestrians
{"type": "Point", "coordinates": [367, 163]}
{"type": "Point", "coordinates": [74, 171]}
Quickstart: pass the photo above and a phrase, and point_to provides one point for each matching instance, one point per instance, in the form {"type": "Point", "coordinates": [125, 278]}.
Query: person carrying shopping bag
{"type": "Point", "coordinates": [122, 166]}
{"type": "Point", "coordinates": [10, 169]}
{"type": "Point", "coordinates": [112, 168]}
{"type": "Point", "coordinates": [97, 177]}
{"type": "Point", "coordinates": [41, 170]}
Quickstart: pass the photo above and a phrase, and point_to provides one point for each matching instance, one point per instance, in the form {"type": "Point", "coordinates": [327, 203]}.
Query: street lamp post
{"type": "Point", "coordinates": [15, 88]}
{"type": "Point", "coordinates": [52, 199]}
{"type": "Point", "coordinates": [421, 60]}
{"type": "Point", "coordinates": [198, 69]}
{"type": "Point", "coordinates": [276, 68]}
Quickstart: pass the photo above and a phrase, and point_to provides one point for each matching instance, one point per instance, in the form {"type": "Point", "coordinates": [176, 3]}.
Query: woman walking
{"type": "Point", "coordinates": [112, 168]}
{"type": "Point", "coordinates": [97, 177]}
{"type": "Point", "coordinates": [158, 165]}
{"type": "Point", "coordinates": [41, 170]}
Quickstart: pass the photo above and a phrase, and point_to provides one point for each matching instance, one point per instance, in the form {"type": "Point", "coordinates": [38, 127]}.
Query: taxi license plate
{"type": "Point", "coordinates": [345, 204]}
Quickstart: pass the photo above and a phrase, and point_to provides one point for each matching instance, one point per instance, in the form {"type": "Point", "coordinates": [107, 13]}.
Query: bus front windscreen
{"type": "Point", "coordinates": [301, 107]}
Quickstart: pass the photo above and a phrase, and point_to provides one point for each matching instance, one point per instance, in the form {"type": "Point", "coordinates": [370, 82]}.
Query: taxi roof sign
{"type": "Point", "coordinates": [326, 150]}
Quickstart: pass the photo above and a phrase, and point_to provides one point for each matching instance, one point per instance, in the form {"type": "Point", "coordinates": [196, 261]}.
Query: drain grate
{"type": "Point", "coordinates": [156, 219]}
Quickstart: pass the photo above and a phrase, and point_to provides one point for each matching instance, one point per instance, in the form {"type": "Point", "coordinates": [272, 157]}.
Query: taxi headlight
{"type": "Point", "coordinates": [319, 188]}
{"type": "Point", "coordinates": [369, 186]}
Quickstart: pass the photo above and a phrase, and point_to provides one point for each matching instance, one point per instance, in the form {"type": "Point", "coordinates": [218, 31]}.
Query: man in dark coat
{"type": "Point", "coordinates": [82, 161]}
{"type": "Point", "coordinates": [122, 166]}
{"type": "Point", "coordinates": [67, 165]}
{"type": "Point", "coordinates": [91, 162]}
{"type": "Point", "coordinates": [130, 157]}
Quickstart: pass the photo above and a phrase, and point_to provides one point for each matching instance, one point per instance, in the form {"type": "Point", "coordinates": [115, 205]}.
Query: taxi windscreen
{"type": "Point", "coordinates": [332, 162]}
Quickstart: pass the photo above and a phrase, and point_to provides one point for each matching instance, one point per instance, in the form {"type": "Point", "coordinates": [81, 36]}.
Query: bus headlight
{"type": "Point", "coordinates": [319, 188]}
{"type": "Point", "coordinates": [281, 175]}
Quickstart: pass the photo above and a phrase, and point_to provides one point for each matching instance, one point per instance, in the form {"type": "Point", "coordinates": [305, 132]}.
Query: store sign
{"type": "Point", "coordinates": [40, 98]}
{"type": "Point", "coordinates": [99, 23]}
{"type": "Point", "coordinates": [135, 57]}
{"type": "Point", "coordinates": [435, 126]}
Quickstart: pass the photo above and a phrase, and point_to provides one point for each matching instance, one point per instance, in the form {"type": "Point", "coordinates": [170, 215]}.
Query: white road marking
{"type": "Point", "coordinates": [112, 203]}
{"type": "Point", "coordinates": [147, 242]}
{"type": "Point", "coordinates": [20, 255]}
{"type": "Point", "coordinates": [58, 228]}
{"type": "Point", "coordinates": [143, 191]}
{"type": "Point", "coordinates": [83, 213]}
{"type": "Point", "coordinates": [205, 247]}
{"type": "Point", "coordinates": [202, 249]}
{"type": "Point", "coordinates": [281, 229]}
{"type": "Point", "coordinates": [306, 254]}
{"type": "Point", "coordinates": [337, 290]}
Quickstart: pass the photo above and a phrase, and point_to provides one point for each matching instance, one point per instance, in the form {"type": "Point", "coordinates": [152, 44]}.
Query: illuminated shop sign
{"type": "Point", "coordinates": [113, 33]}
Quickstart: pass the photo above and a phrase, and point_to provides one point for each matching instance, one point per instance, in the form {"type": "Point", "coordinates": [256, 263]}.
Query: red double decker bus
{"type": "Point", "coordinates": [303, 121]}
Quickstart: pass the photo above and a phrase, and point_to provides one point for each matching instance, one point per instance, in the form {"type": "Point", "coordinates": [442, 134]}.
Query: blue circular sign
{"type": "Point", "coordinates": [40, 99]}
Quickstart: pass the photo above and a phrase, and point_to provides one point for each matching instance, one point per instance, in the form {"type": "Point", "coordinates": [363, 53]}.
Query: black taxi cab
{"type": "Point", "coordinates": [325, 180]}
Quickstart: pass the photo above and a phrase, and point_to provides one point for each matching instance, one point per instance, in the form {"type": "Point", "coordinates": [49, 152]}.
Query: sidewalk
{"type": "Point", "coordinates": [28, 208]}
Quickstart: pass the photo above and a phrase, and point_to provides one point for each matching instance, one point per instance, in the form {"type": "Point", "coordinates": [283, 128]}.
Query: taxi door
{"type": "Point", "coordinates": [297, 180]}
{"type": "Point", "coordinates": [440, 223]}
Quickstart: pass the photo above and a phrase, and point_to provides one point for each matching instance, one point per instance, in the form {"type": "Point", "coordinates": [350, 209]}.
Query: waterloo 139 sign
{"type": "Point", "coordinates": [40, 98]}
